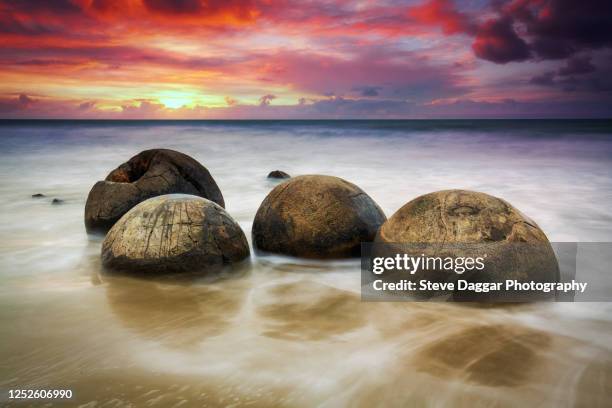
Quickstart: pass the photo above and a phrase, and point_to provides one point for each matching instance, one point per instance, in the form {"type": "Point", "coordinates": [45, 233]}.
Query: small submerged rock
{"type": "Point", "coordinates": [174, 233]}
{"type": "Point", "coordinates": [38, 195]}
{"type": "Point", "coordinates": [148, 174]}
{"type": "Point", "coordinates": [316, 217]}
{"type": "Point", "coordinates": [278, 174]}
{"type": "Point", "coordinates": [57, 201]}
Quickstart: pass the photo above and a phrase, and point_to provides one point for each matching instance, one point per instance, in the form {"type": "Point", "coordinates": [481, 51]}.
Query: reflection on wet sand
{"type": "Point", "coordinates": [177, 314]}
{"type": "Point", "coordinates": [288, 264]}
{"type": "Point", "coordinates": [290, 339]}
{"type": "Point", "coordinates": [413, 349]}
{"type": "Point", "coordinates": [289, 334]}
{"type": "Point", "coordinates": [310, 311]}
{"type": "Point", "coordinates": [493, 355]}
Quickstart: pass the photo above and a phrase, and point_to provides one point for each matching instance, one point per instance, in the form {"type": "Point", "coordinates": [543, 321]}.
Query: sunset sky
{"type": "Point", "coordinates": [304, 59]}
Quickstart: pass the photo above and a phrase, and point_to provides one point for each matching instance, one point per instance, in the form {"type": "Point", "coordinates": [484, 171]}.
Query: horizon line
{"type": "Point", "coordinates": [298, 120]}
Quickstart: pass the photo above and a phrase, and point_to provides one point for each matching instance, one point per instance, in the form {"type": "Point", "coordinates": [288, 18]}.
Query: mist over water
{"type": "Point", "coordinates": [290, 332]}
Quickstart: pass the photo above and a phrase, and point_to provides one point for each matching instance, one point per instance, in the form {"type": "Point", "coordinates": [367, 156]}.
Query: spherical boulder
{"type": "Point", "coordinates": [174, 233]}
{"type": "Point", "coordinates": [464, 224]}
{"type": "Point", "coordinates": [148, 174]}
{"type": "Point", "coordinates": [316, 217]}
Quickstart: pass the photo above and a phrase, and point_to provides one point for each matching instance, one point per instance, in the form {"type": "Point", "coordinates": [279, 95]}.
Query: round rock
{"type": "Point", "coordinates": [148, 174]}
{"type": "Point", "coordinates": [278, 174]}
{"type": "Point", "coordinates": [459, 223]}
{"type": "Point", "coordinates": [174, 233]}
{"type": "Point", "coordinates": [316, 217]}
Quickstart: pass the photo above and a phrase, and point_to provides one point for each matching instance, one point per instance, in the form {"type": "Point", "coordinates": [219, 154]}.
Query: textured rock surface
{"type": "Point", "coordinates": [174, 233]}
{"type": "Point", "coordinates": [515, 247]}
{"type": "Point", "coordinates": [316, 217]}
{"type": "Point", "coordinates": [148, 174]}
{"type": "Point", "coordinates": [278, 174]}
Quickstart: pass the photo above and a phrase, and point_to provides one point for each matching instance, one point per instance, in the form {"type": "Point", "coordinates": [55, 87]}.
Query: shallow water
{"type": "Point", "coordinates": [289, 332]}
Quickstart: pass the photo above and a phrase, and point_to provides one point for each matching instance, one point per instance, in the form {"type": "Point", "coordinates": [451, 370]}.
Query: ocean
{"type": "Point", "coordinates": [293, 332]}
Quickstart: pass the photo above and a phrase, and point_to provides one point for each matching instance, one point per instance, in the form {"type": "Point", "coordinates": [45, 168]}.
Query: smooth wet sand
{"type": "Point", "coordinates": [289, 338]}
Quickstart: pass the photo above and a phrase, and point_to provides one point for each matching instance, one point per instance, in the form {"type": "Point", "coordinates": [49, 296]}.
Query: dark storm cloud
{"type": "Point", "coordinates": [497, 41]}
{"type": "Point", "coordinates": [563, 27]}
{"type": "Point", "coordinates": [551, 29]}
{"type": "Point", "coordinates": [524, 29]}
{"type": "Point", "coordinates": [579, 74]}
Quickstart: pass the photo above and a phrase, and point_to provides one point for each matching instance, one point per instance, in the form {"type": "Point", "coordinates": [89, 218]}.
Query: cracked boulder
{"type": "Point", "coordinates": [174, 233]}
{"type": "Point", "coordinates": [316, 217]}
{"type": "Point", "coordinates": [148, 174]}
{"type": "Point", "coordinates": [469, 224]}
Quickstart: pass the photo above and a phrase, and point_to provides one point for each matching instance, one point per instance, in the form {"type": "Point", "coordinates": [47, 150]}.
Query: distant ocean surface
{"type": "Point", "coordinates": [294, 332]}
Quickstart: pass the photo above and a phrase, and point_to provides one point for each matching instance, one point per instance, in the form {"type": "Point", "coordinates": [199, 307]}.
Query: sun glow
{"type": "Point", "coordinates": [177, 99]}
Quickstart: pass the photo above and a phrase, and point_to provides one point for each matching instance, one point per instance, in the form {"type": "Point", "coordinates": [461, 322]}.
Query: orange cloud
{"type": "Point", "coordinates": [179, 58]}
